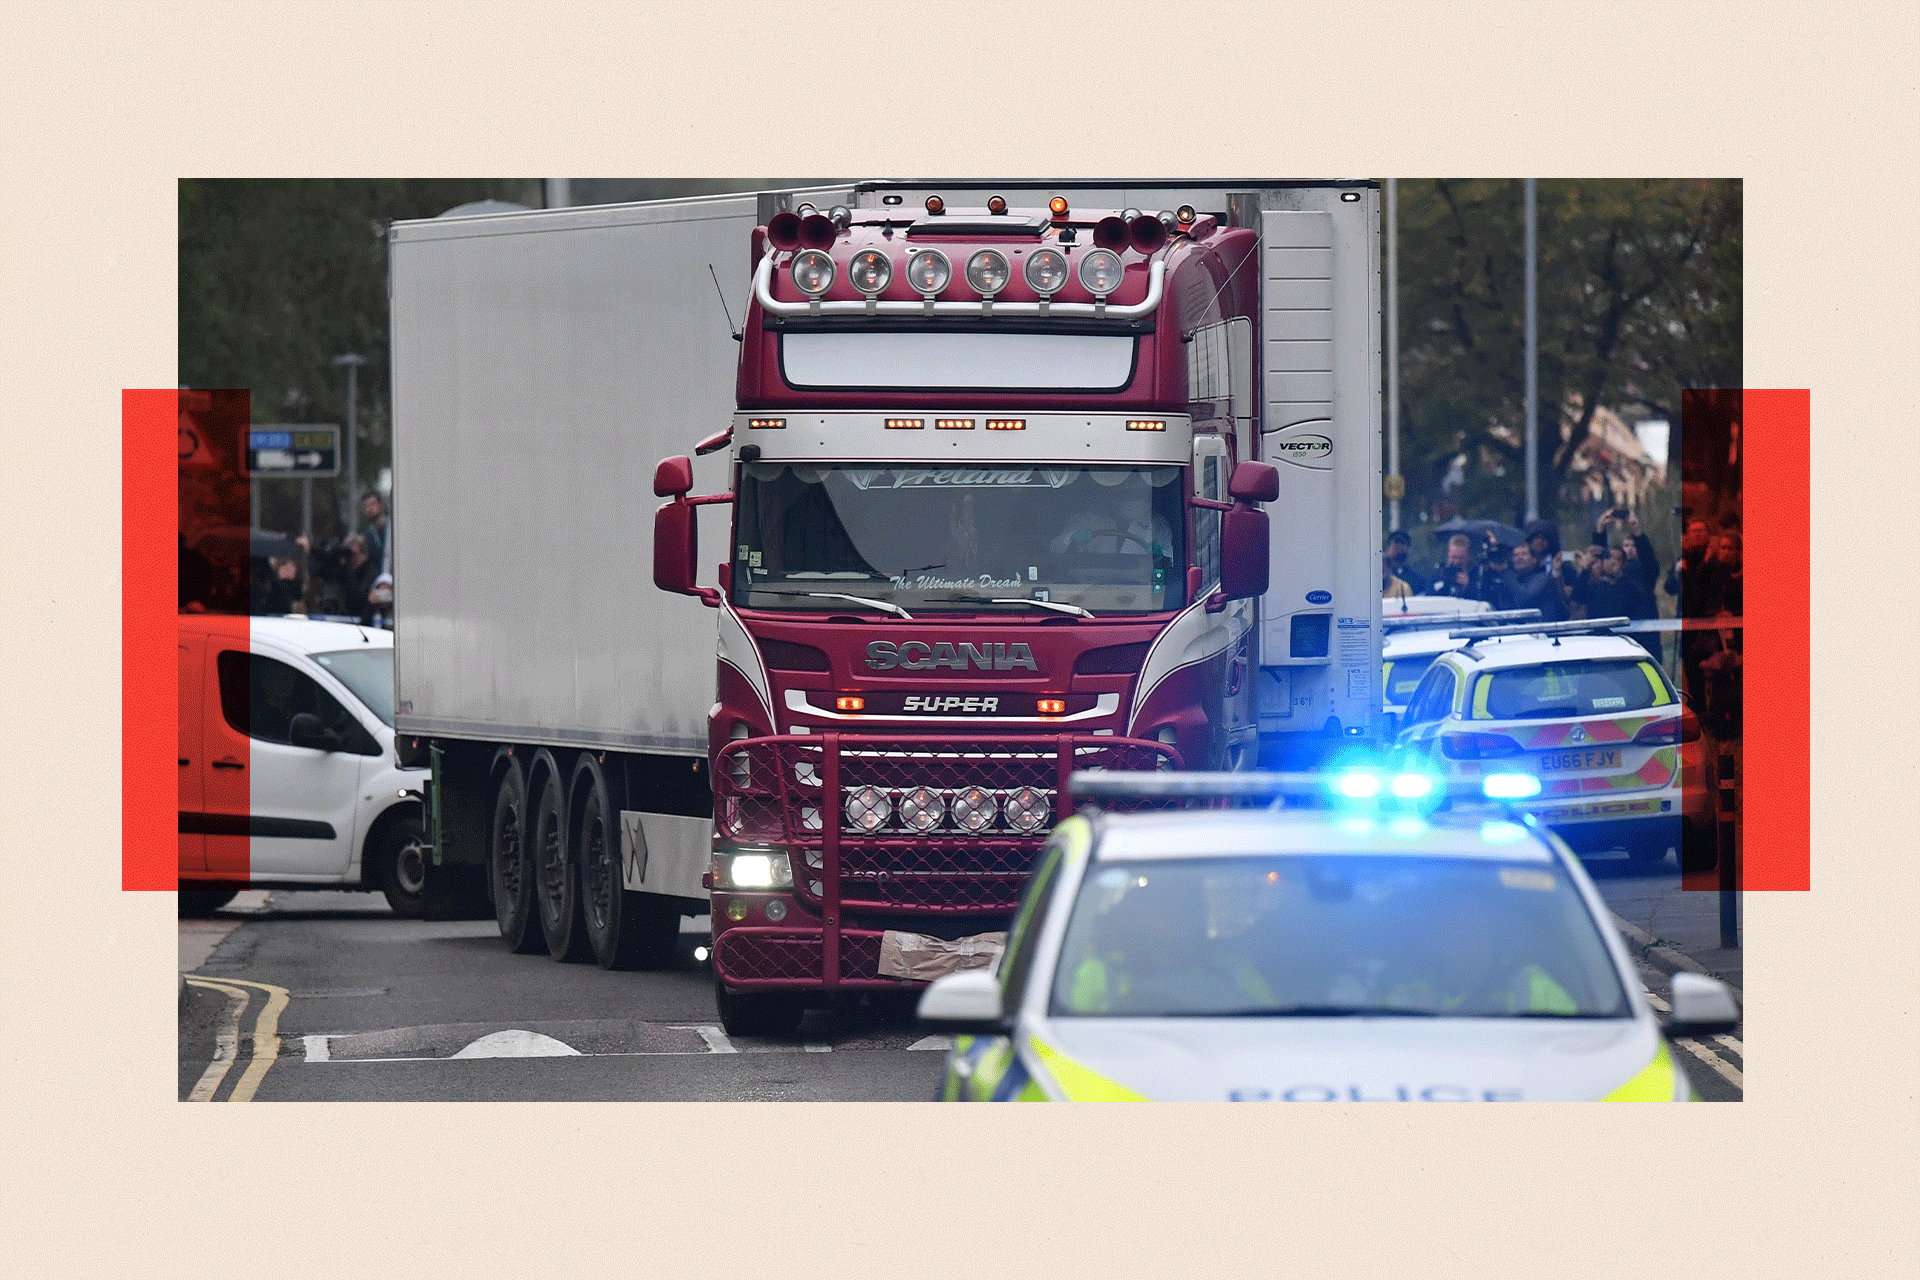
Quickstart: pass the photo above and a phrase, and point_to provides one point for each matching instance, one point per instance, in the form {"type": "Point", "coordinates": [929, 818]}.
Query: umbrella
{"type": "Point", "coordinates": [1504, 534]}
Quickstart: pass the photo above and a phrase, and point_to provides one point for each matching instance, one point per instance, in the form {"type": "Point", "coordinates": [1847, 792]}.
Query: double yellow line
{"type": "Point", "coordinates": [265, 1041]}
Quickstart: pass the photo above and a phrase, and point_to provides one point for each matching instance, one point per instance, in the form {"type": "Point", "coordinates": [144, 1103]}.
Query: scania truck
{"type": "Point", "coordinates": [1013, 481]}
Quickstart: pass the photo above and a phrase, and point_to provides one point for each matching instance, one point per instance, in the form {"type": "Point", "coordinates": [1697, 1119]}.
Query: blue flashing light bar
{"type": "Point", "coordinates": [1511, 786]}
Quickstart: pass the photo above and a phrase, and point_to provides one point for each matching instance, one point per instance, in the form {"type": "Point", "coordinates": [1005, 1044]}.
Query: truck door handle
{"type": "Point", "coordinates": [229, 763]}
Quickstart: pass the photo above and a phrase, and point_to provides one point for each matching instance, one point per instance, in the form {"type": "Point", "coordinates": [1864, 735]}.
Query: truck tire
{"type": "Point", "coordinates": [400, 865]}
{"type": "Point", "coordinates": [198, 903]}
{"type": "Point", "coordinates": [758, 1013]}
{"type": "Point", "coordinates": [557, 881]}
{"type": "Point", "coordinates": [625, 930]}
{"type": "Point", "coordinates": [511, 866]}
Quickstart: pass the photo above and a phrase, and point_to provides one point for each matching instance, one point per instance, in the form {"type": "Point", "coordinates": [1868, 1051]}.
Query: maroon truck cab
{"type": "Point", "coordinates": [993, 520]}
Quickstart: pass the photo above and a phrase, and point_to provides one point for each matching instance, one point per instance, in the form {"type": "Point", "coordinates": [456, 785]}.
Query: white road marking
{"type": "Point", "coordinates": [316, 1048]}
{"type": "Point", "coordinates": [936, 1043]}
{"type": "Point", "coordinates": [715, 1037]}
{"type": "Point", "coordinates": [518, 1044]}
{"type": "Point", "coordinates": [817, 1048]}
{"type": "Point", "coordinates": [1728, 1072]}
{"type": "Point", "coordinates": [1731, 1042]}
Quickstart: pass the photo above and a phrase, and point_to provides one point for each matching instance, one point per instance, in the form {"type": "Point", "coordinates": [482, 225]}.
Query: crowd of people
{"type": "Point", "coordinates": [1614, 576]}
{"type": "Point", "coordinates": [348, 578]}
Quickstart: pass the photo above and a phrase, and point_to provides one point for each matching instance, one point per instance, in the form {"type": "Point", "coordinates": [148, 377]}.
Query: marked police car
{"type": "Point", "coordinates": [1369, 953]}
{"type": "Point", "coordinates": [1414, 638]}
{"type": "Point", "coordinates": [1587, 712]}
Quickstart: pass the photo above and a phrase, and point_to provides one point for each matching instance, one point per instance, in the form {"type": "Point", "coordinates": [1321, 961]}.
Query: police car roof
{"type": "Point", "coordinates": [1526, 650]}
{"type": "Point", "coordinates": [1408, 644]}
{"type": "Point", "coordinates": [1479, 831]}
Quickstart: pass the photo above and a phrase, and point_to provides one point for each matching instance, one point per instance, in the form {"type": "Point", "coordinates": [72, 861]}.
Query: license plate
{"type": "Point", "coordinates": [1591, 758]}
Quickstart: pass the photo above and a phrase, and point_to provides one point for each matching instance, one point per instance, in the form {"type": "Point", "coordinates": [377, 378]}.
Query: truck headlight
{"type": "Point", "coordinates": [868, 809]}
{"type": "Point", "coordinates": [922, 808]}
{"type": "Point", "coordinates": [768, 870]}
{"type": "Point", "coordinates": [1027, 810]}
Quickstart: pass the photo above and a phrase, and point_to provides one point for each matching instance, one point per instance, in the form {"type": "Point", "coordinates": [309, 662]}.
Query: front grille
{"type": "Point", "coordinates": [941, 825]}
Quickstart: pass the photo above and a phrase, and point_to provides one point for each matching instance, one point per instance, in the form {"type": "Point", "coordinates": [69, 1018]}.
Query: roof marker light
{"type": "Point", "coordinates": [1057, 206]}
{"type": "Point", "coordinates": [996, 204]}
{"type": "Point", "coordinates": [1146, 424]}
{"type": "Point", "coordinates": [953, 424]}
{"type": "Point", "coordinates": [766, 424]}
{"type": "Point", "coordinates": [906, 424]}
{"type": "Point", "coordinates": [1006, 424]}
{"type": "Point", "coordinates": [936, 206]}
{"type": "Point", "coordinates": [1052, 707]}
{"type": "Point", "coordinates": [1510, 786]}
{"type": "Point", "coordinates": [850, 704]}
{"type": "Point", "coordinates": [1355, 785]}
{"type": "Point", "coordinates": [1186, 215]}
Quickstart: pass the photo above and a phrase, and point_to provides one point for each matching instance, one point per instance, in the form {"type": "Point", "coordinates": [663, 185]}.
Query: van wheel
{"type": "Point", "coordinates": [197, 903]}
{"type": "Point", "coordinates": [511, 866]}
{"type": "Point", "coordinates": [558, 880]}
{"type": "Point", "coordinates": [401, 866]}
{"type": "Point", "coordinates": [758, 1013]}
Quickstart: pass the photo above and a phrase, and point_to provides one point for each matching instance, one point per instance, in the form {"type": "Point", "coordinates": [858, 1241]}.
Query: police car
{"type": "Point", "coordinates": [1374, 952]}
{"type": "Point", "coordinates": [1414, 638]}
{"type": "Point", "coordinates": [1587, 712]}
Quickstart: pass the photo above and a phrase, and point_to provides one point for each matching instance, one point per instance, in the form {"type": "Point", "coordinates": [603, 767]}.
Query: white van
{"type": "Point", "coordinates": [287, 769]}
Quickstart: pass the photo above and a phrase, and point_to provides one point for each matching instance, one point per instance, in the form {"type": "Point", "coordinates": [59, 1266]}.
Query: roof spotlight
{"type": "Point", "coordinates": [928, 271]}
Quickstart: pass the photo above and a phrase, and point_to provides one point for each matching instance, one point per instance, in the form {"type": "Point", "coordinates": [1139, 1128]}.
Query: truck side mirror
{"type": "Point", "coordinates": [1243, 550]}
{"type": "Point", "coordinates": [1254, 482]}
{"type": "Point", "coordinates": [673, 477]}
{"type": "Point", "coordinates": [675, 543]}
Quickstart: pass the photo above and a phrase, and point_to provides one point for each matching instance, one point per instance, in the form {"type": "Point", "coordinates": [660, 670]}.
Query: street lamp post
{"type": "Point", "coordinates": [352, 363]}
{"type": "Point", "coordinates": [1533, 367]}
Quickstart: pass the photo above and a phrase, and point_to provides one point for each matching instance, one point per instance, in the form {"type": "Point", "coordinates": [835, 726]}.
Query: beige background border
{"type": "Point", "coordinates": [104, 108]}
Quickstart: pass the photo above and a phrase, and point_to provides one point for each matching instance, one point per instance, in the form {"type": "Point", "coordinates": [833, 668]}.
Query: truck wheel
{"type": "Point", "coordinates": [400, 866]}
{"type": "Point", "coordinates": [558, 880]}
{"type": "Point", "coordinates": [1699, 851]}
{"type": "Point", "coordinates": [512, 866]}
{"type": "Point", "coordinates": [196, 903]}
{"type": "Point", "coordinates": [758, 1013]}
{"type": "Point", "coordinates": [625, 930]}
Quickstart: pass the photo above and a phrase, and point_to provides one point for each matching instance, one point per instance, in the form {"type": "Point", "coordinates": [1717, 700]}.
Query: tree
{"type": "Point", "coordinates": [1639, 296]}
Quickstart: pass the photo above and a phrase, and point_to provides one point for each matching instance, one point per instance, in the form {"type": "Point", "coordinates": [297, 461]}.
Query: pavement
{"type": "Point", "coordinates": [1675, 929]}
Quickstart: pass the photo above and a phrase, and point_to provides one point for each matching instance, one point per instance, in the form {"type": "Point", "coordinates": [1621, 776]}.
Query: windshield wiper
{"type": "Point", "coordinates": [1058, 606]}
{"type": "Point", "coordinates": [884, 606]}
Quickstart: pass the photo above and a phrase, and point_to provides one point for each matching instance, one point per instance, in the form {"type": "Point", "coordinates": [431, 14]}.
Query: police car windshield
{"type": "Point", "coordinates": [368, 673]}
{"type": "Point", "coordinates": [1323, 936]}
{"type": "Point", "coordinates": [1569, 689]}
{"type": "Point", "coordinates": [1403, 675]}
{"type": "Point", "coordinates": [1109, 539]}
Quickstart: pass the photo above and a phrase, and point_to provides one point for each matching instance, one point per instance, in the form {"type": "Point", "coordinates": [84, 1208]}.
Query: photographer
{"type": "Point", "coordinates": [1458, 576]}
{"type": "Point", "coordinates": [1497, 580]}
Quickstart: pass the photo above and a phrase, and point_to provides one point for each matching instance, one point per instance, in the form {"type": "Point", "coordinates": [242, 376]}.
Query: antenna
{"type": "Point", "coordinates": [723, 302]}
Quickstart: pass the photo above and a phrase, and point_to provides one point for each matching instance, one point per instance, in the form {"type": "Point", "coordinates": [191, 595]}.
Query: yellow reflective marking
{"type": "Point", "coordinates": [265, 1040]}
{"type": "Point", "coordinates": [1660, 696]}
{"type": "Point", "coordinates": [1654, 1083]}
{"type": "Point", "coordinates": [1079, 1083]}
{"type": "Point", "coordinates": [1481, 688]}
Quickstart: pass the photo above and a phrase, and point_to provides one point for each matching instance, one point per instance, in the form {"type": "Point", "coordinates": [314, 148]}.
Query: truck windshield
{"type": "Point", "coordinates": [1110, 539]}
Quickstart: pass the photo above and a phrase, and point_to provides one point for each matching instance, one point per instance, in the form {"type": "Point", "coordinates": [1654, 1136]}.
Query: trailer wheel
{"type": "Point", "coordinates": [626, 930]}
{"type": "Point", "coordinates": [512, 866]}
{"type": "Point", "coordinates": [758, 1013]}
{"type": "Point", "coordinates": [400, 868]}
{"type": "Point", "coordinates": [557, 880]}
